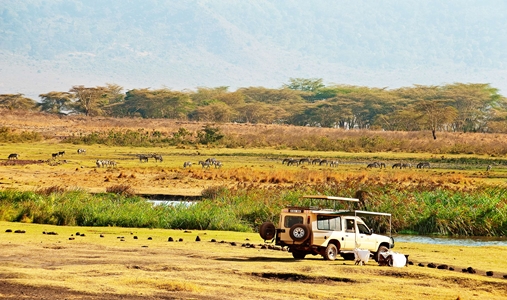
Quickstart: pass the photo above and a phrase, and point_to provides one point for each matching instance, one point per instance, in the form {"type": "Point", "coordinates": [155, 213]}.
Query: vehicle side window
{"type": "Point", "coordinates": [363, 229]}
{"type": "Point", "coordinates": [350, 225]}
{"type": "Point", "coordinates": [292, 220]}
{"type": "Point", "coordinates": [329, 223]}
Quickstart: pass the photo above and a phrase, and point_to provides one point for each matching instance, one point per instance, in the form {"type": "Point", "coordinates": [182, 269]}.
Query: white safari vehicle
{"type": "Point", "coordinates": [326, 232]}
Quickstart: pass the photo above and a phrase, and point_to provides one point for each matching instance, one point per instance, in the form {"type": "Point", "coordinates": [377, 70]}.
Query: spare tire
{"type": "Point", "coordinates": [267, 231]}
{"type": "Point", "coordinates": [299, 232]}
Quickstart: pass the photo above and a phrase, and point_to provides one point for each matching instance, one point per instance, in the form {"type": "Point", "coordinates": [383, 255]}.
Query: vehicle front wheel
{"type": "Point", "coordinates": [378, 256]}
{"type": "Point", "coordinates": [331, 252]}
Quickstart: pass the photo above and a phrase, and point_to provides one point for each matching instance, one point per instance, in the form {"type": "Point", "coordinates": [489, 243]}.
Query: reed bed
{"type": "Point", "coordinates": [422, 207]}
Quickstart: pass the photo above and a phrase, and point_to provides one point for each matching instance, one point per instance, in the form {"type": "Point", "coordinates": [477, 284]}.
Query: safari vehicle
{"type": "Point", "coordinates": [327, 232]}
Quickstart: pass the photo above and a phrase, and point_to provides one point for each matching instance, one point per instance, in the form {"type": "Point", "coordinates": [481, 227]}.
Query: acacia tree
{"type": "Point", "coordinates": [55, 102]}
{"type": "Point", "coordinates": [89, 100]}
{"type": "Point", "coordinates": [16, 101]}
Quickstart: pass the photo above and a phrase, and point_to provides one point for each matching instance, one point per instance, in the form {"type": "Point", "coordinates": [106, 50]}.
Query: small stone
{"type": "Point", "coordinates": [197, 239]}
{"type": "Point", "coordinates": [170, 239]}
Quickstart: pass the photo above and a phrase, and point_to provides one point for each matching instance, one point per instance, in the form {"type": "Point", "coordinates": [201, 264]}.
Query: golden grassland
{"type": "Point", "coordinates": [80, 260]}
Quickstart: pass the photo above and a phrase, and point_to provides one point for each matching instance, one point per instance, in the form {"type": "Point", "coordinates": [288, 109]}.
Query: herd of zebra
{"type": "Point", "coordinates": [317, 161]}
{"type": "Point", "coordinates": [334, 163]}
{"type": "Point", "coordinates": [145, 157]}
{"type": "Point", "coordinates": [206, 164]}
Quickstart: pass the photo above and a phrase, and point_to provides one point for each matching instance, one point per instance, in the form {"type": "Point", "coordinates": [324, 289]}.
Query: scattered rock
{"type": "Point", "coordinates": [82, 234]}
{"type": "Point", "coordinates": [19, 231]}
{"type": "Point", "coordinates": [432, 265]}
{"type": "Point", "coordinates": [451, 269]}
{"type": "Point", "coordinates": [180, 240]}
{"type": "Point", "coordinates": [135, 237]}
{"type": "Point", "coordinates": [170, 239]}
{"type": "Point", "coordinates": [252, 246]}
{"type": "Point", "coordinates": [52, 233]}
{"type": "Point", "coordinates": [213, 240]}
{"type": "Point", "coordinates": [247, 239]}
{"type": "Point", "coordinates": [420, 265]}
{"type": "Point", "coordinates": [471, 270]}
{"type": "Point", "coordinates": [443, 267]}
{"type": "Point", "coordinates": [78, 234]}
{"type": "Point", "coordinates": [187, 231]}
{"type": "Point", "coordinates": [197, 239]}
{"type": "Point", "coordinates": [71, 238]}
{"type": "Point", "coordinates": [233, 244]}
{"type": "Point", "coordinates": [505, 276]}
{"type": "Point", "coordinates": [101, 235]}
{"type": "Point", "coordinates": [149, 238]}
{"type": "Point", "coordinates": [8, 230]}
{"type": "Point", "coordinates": [489, 273]}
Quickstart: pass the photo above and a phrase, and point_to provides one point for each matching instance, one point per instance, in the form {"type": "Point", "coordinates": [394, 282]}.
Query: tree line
{"type": "Point", "coordinates": [458, 107]}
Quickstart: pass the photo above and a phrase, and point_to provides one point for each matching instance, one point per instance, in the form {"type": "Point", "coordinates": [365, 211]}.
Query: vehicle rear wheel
{"type": "Point", "coordinates": [298, 255]}
{"type": "Point", "coordinates": [267, 231]}
{"type": "Point", "coordinates": [378, 257]}
{"type": "Point", "coordinates": [331, 252]}
{"type": "Point", "coordinates": [299, 232]}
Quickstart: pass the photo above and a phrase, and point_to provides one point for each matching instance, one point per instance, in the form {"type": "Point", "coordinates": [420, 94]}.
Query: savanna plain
{"type": "Point", "coordinates": [50, 261]}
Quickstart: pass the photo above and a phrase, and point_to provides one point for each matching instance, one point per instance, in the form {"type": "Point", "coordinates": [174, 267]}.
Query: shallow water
{"type": "Point", "coordinates": [458, 241]}
{"type": "Point", "coordinates": [171, 202]}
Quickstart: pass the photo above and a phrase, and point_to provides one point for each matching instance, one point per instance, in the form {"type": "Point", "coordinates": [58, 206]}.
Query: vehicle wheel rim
{"type": "Point", "coordinates": [299, 233]}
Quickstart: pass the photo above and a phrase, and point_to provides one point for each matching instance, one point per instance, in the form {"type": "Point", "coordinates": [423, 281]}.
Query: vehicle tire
{"type": "Point", "coordinates": [380, 250]}
{"type": "Point", "coordinates": [331, 252]}
{"type": "Point", "coordinates": [298, 255]}
{"type": "Point", "coordinates": [267, 231]}
{"type": "Point", "coordinates": [299, 232]}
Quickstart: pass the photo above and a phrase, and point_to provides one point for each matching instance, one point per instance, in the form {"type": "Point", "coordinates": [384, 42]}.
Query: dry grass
{"type": "Point", "coordinates": [153, 267]}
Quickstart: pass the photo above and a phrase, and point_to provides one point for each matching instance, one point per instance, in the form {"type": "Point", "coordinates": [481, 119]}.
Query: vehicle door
{"type": "Point", "coordinates": [327, 227]}
{"type": "Point", "coordinates": [364, 237]}
{"type": "Point", "coordinates": [349, 235]}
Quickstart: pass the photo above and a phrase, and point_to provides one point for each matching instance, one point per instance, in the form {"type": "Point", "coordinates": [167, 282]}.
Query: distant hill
{"type": "Point", "coordinates": [52, 45]}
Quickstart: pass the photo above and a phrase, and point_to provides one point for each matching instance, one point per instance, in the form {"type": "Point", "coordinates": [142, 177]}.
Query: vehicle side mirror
{"type": "Point", "coordinates": [370, 232]}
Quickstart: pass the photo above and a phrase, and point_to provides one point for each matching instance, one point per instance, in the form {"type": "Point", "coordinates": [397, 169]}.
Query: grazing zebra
{"type": "Point", "coordinates": [205, 164]}
{"type": "Point", "coordinates": [304, 160]}
{"type": "Point", "coordinates": [286, 160]}
{"type": "Point", "coordinates": [158, 157]}
{"type": "Point", "coordinates": [323, 162]}
{"type": "Point", "coordinates": [488, 168]}
{"type": "Point", "coordinates": [397, 165]}
{"type": "Point", "coordinates": [293, 162]}
{"type": "Point", "coordinates": [61, 153]}
{"type": "Point", "coordinates": [333, 163]}
{"type": "Point", "coordinates": [54, 155]}
{"type": "Point", "coordinates": [187, 164]}
{"type": "Point", "coordinates": [13, 156]}
{"type": "Point", "coordinates": [218, 164]}
{"type": "Point", "coordinates": [373, 165]}
{"type": "Point", "coordinates": [382, 165]}
{"type": "Point", "coordinates": [423, 165]}
{"type": "Point", "coordinates": [143, 158]}
{"type": "Point", "coordinates": [316, 161]}
{"type": "Point", "coordinates": [105, 163]}
{"type": "Point", "coordinates": [81, 151]}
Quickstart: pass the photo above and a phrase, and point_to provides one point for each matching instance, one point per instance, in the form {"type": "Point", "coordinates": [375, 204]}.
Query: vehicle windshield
{"type": "Point", "coordinates": [363, 228]}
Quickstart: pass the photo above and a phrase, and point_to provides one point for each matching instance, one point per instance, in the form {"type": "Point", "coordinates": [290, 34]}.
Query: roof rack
{"type": "Point", "coordinates": [332, 198]}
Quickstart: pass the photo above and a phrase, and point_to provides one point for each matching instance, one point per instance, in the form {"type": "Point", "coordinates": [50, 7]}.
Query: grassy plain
{"type": "Point", "coordinates": [92, 267]}
{"type": "Point", "coordinates": [150, 267]}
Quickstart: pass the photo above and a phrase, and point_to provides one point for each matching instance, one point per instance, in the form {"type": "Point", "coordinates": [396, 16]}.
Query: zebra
{"type": "Point", "coordinates": [61, 153]}
{"type": "Point", "coordinates": [205, 164]}
{"type": "Point", "coordinates": [143, 158]}
{"type": "Point", "coordinates": [158, 157]}
{"type": "Point", "coordinates": [105, 163]}
{"type": "Point", "coordinates": [373, 165]}
{"type": "Point", "coordinates": [81, 151]}
{"type": "Point", "coordinates": [488, 168]}
{"type": "Point", "coordinates": [333, 163]}
{"type": "Point", "coordinates": [218, 164]}
{"type": "Point", "coordinates": [406, 165]}
{"type": "Point", "coordinates": [323, 162]}
{"type": "Point", "coordinates": [286, 160]}
{"type": "Point", "coordinates": [316, 161]}
{"type": "Point", "coordinates": [293, 162]}
{"type": "Point", "coordinates": [13, 156]}
{"type": "Point", "coordinates": [187, 164]}
{"type": "Point", "coordinates": [423, 165]}
{"type": "Point", "coordinates": [54, 155]}
{"type": "Point", "coordinates": [397, 165]}
{"type": "Point", "coordinates": [304, 160]}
